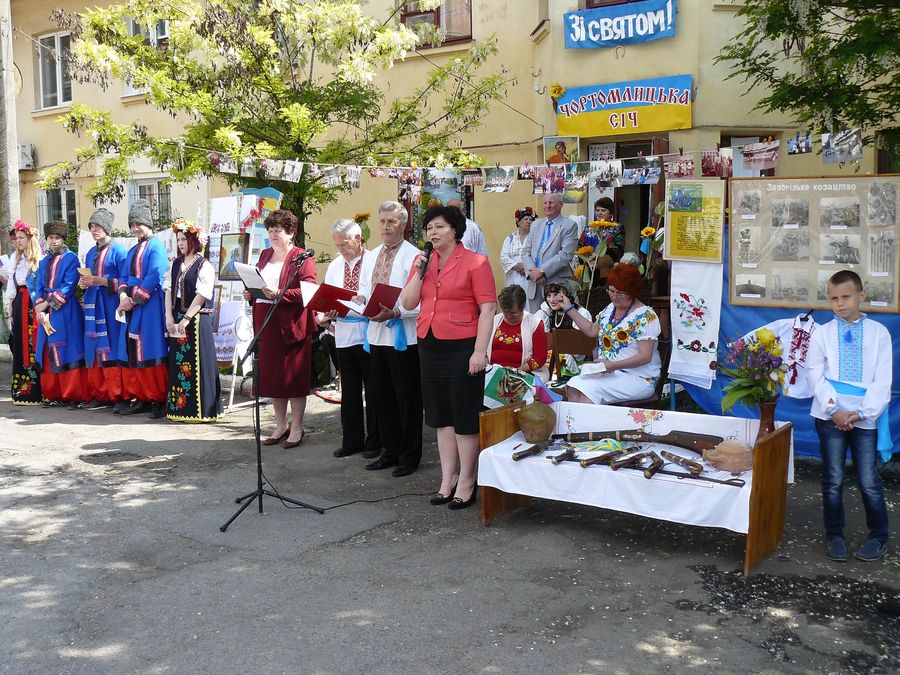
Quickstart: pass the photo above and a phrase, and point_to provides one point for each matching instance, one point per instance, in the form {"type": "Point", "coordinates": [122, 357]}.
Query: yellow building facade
{"type": "Point", "coordinates": [531, 38]}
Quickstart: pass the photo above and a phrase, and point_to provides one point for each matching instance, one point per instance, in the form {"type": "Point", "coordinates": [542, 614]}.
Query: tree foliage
{"type": "Point", "coordinates": [271, 78]}
{"type": "Point", "coordinates": [829, 63]}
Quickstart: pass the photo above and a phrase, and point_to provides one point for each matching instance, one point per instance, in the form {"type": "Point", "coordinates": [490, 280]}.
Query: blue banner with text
{"type": "Point", "coordinates": [620, 24]}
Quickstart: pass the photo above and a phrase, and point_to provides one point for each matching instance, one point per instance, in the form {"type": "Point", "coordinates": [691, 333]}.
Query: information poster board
{"type": "Point", "coordinates": [789, 235]}
{"type": "Point", "coordinates": [695, 220]}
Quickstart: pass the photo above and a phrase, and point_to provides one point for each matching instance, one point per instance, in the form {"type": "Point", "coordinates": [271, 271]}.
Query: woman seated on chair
{"type": "Point", "coordinates": [518, 339]}
{"type": "Point", "coordinates": [626, 332]}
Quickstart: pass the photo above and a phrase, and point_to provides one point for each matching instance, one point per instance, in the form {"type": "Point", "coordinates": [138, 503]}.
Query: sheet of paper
{"type": "Point", "coordinates": [250, 276]}
{"type": "Point", "coordinates": [308, 290]}
{"type": "Point", "coordinates": [593, 369]}
{"type": "Point", "coordinates": [353, 306]}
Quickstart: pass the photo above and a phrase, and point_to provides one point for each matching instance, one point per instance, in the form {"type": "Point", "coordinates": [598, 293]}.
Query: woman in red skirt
{"type": "Point", "coordinates": [26, 376]}
{"type": "Point", "coordinates": [285, 348]}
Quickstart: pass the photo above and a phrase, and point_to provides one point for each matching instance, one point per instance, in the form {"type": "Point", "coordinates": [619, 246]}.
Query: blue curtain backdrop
{"type": "Point", "coordinates": [736, 321]}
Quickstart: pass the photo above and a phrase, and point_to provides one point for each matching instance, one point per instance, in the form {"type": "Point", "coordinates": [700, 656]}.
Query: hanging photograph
{"type": "Point", "coordinates": [716, 163]}
{"type": "Point", "coordinates": [799, 145]}
{"type": "Point", "coordinates": [841, 249]}
{"type": "Point", "coordinates": [526, 172]}
{"type": "Point", "coordinates": [790, 245]}
{"type": "Point", "coordinates": [248, 167]}
{"type": "Point", "coordinates": [788, 284]}
{"type": "Point", "coordinates": [880, 294]}
{"type": "Point", "coordinates": [760, 156]}
{"type": "Point", "coordinates": [882, 204]}
{"type": "Point", "coordinates": [228, 164]}
{"type": "Point", "coordinates": [790, 213]}
{"type": "Point", "coordinates": [749, 246]}
{"type": "Point", "coordinates": [272, 168]}
{"type": "Point", "coordinates": [843, 146]}
{"type": "Point", "coordinates": [606, 173]}
{"type": "Point", "coordinates": [351, 177]}
{"type": "Point", "coordinates": [882, 251]}
{"type": "Point", "coordinates": [751, 286]}
{"type": "Point", "coordinates": [839, 213]}
{"type": "Point", "coordinates": [292, 171]}
{"type": "Point", "coordinates": [332, 175]}
{"type": "Point", "coordinates": [601, 151]}
{"type": "Point", "coordinates": [441, 184]}
{"type": "Point", "coordinates": [499, 178]}
{"type": "Point", "coordinates": [549, 180]}
{"type": "Point", "coordinates": [560, 149]}
{"type": "Point", "coordinates": [679, 166]}
{"type": "Point", "coordinates": [472, 177]}
{"type": "Point", "coordinates": [233, 249]}
{"type": "Point", "coordinates": [748, 204]}
{"type": "Point", "coordinates": [641, 170]}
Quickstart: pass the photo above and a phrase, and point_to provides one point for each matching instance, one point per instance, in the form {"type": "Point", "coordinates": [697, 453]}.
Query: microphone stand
{"type": "Point", "coordinates": [253, 348]}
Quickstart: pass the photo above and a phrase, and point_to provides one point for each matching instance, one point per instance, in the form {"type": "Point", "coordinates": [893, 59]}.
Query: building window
{"type": "Point", "coordinates": [159, 194]}
{"type": "Point", "coordinates": [593, 4]}
{"type": "Point", "coordinates": [53, 82]}
{"type": "Point", "coordinates": [155, 36]}
{"type": "Point", "coordinates": [454, 17]}
{"type": "Point", "coordinates": [57, 204]}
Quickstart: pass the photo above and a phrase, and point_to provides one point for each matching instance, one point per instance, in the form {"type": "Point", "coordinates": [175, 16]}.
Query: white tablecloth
{"type": "Point", "coordinates": [669, 498]}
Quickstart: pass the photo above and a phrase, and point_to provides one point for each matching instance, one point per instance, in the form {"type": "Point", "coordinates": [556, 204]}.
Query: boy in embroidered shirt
{"type": "Point", "coordinates": [849, 369]}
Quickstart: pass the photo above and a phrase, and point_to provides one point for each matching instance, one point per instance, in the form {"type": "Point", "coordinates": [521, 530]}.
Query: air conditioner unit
{"type": "Point", "coordinates": [26, 157]}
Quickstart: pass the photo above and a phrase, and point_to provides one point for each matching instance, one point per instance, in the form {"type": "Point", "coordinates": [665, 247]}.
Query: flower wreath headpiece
{"type": "Point", "coordinates": [525, 211]}
{"type": "Point", "coordinates": [182, 225]}
{"type": "Point", "coordinates": [22, 226]}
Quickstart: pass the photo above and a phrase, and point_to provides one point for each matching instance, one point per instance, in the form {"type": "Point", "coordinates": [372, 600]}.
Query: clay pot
{"type": "Point", "coordinates": [536, 420]}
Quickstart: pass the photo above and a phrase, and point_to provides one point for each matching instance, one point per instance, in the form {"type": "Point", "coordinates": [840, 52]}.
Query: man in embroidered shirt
{"type": "Point", "coordinates": [548, 250]}
{"type": "Point", "coordinates": [849, 369]}
{"type": "Point", "coordinates": [360, 430]}
{"type": "Point", "coordinates": [394, 349]}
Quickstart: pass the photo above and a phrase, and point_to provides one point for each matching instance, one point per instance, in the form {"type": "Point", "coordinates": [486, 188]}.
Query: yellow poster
{"type": "Point", "coordinates": [695, 220]}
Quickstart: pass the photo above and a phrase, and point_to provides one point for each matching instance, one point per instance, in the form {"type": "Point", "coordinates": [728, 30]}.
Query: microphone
{"type": "Point", "coordinates": [428, 249]}
{"type": "Point", "coordinates": [300, 257]}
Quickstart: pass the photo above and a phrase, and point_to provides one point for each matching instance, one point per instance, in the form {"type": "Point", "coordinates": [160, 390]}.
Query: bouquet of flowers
{"type": "Point", "coordinates": [756, 370]}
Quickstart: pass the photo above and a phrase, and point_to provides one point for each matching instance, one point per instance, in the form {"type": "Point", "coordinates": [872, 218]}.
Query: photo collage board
{"type": "Point", "coordinates": [789, 235]}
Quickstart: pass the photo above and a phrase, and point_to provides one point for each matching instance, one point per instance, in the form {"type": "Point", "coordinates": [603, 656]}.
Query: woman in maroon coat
{"type": "Point", "coordinates": [285, 348]}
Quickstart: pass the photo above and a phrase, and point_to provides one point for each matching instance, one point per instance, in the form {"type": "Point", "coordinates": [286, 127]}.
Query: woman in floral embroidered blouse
{"type": "Point", "coordinates": [511, 251]}
{"type": "Point", "coordinates": [518, 339]}
{"type": "Point", "coordinates": [626, 331]}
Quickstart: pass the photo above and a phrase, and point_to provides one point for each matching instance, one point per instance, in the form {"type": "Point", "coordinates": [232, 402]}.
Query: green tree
{"type": "Point", "coordinates": [827, 62]}
{"type": "Point", "coordinates": [271, 78]}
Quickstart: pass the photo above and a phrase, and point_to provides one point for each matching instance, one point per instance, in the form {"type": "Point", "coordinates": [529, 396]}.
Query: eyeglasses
{"type": "Point", "coordinates": [616, 294]}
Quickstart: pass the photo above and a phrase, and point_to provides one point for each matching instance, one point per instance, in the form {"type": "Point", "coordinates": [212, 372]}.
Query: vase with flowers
{"type": "Point", "coordinates": [757, 370]}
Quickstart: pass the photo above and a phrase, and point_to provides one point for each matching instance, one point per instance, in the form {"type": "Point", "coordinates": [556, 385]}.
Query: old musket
{"type": "Point", "coordinates": [681, 439]}
{"type": "Point", "coordinates": [629, 461]}
{"type": "Point", "coordinates": [605, 458]}
{"type": "Point", "coordinates": [733, 482]}
{"type": "Point", "coordinates": [535, 449]}
{"type": "Point", "coordinates": [656, 463]}
{"type": "Point", "coordinates": [695, 468]}
{"type": "Point", "coordinates": [566, 455]}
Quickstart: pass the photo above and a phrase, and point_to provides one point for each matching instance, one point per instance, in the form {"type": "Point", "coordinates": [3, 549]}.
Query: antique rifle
{"type": "Point", "coordinates": [682, 439]}
{"type": "Point", "coordinates": [535, 449]}
{"type": "Point", "coordinates": [695, 468]}
{"type": "Point", "coordinates": [656, 463]}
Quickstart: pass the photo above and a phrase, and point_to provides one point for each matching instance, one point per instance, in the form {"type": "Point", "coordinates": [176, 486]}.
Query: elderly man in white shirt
{"type": "Point", "coordinates": [394, 349]}
{"type": "Point", "coordinates": [358, 424]}
{"type": "Point", "coordinates": [473, 237]}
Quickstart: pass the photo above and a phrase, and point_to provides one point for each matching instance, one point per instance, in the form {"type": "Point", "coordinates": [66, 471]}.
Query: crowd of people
{"type": "Point", "coordinates": [140, 339]}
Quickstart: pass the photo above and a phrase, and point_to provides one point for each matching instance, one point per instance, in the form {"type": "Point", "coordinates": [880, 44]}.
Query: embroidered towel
{"type": "Point", "coordinates": [696, 306]}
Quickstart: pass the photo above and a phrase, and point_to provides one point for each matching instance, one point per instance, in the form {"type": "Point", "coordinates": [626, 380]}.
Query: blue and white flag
{"type": "Point", "coordinates": [620, 24]}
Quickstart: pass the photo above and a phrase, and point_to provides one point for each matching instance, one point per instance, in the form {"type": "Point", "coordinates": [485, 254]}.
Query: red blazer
{"type": "Point", "coordinates": [295, 321]}
{"type": "Point", "coordinates": [449, 306]}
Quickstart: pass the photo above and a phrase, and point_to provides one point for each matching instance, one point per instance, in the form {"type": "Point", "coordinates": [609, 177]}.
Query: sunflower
{"type": "Point", "coordinates": [557, 90]}
{"type": "Point", "coordinates": [602, 223]}
{"type": "Point", "coordinates": [622, 335]}
{"type": "Point", "coordinates": [360, 218]}
{"type": "Point", "coordinates": [585, 250]}
{"type": "Point", "coordinates": [607, 342]}
{"type": "Point", "coordinates": [648, 232]}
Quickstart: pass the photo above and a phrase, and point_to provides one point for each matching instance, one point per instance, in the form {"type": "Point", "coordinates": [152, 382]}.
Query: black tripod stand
{"type": "Point", "coordinates": [253, 348]}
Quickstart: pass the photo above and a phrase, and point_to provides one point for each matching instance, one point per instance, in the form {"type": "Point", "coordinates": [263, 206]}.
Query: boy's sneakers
{"type": "Point", "coordinates": [871, 550]}
{"type": "Point", "coordinates": [836, 549]}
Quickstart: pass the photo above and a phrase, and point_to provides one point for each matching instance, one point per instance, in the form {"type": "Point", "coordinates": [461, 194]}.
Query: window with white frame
{"type": "Point", "coordinates": [156, 36]}
{"type": "Point", "coordinates": [53, 84]}
{"type": "Point", "coordinates": [454, 17]}
{"type": "Point", "coordinates": [158, 193]}
{"type": "Point", "coordinates": [57, 204]}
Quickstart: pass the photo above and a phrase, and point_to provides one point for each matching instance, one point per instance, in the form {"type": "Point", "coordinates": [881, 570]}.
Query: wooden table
{"type": "Point", "coordinates": [768, 496]}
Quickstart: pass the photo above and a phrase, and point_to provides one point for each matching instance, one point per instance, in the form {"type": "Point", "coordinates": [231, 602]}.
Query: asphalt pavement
{"type": "Point", "coordinates": [113, 562]}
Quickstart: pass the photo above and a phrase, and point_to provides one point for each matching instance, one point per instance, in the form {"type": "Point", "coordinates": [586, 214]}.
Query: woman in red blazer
{"type": "Point", "coordinates": [285, 348]}
{"type": "Point", "coordinates": [458, 301]}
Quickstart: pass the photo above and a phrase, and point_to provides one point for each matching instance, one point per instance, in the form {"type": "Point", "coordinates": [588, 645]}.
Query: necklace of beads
{"type": "Point", "coordinates": [613, 322]}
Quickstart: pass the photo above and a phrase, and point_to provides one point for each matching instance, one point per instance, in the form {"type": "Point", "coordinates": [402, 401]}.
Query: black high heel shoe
{"type": "Point", "coordinates": [456, 504]}
{"type": "Point", "coordinates": [437, 499]}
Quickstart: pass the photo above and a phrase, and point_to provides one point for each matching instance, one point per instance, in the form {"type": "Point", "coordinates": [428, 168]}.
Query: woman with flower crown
{"type": "Point", "coordinates": [626, 331]}
{"type": "Point", "coordinates": [19, 301]}
{"type": "Point", "coordinates": [195, 394]}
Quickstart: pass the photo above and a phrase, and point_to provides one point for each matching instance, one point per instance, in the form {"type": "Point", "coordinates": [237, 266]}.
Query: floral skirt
{"type": "Point", "coordinates": [26, 377]}
{"type": "Point", "coordinates": [195, 394]}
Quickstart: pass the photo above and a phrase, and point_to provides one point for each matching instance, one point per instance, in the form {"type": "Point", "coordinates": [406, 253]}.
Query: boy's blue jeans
{"type": "Point", "coordinates": [833, 447]}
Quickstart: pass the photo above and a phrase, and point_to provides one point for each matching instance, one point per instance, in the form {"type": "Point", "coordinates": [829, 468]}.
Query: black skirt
{"type": "Point", "coordinates": [452, 397]}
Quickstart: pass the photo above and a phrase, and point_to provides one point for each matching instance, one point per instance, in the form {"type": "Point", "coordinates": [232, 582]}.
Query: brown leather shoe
{"type": "Point", "coordinates": [272, 440]}
{"type": "Point", "coordinates": [293, 444]}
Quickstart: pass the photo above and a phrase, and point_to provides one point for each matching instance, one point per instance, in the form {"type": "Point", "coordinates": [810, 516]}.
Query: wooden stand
{"type": "Point", "coordinates": [768, 494]}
